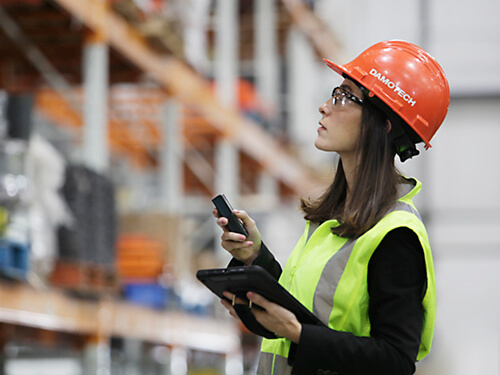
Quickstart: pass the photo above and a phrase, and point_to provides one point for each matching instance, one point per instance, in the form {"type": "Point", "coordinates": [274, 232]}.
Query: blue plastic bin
{"type": "Point", "coordinates": [14, 259]}
{"type": "Point", "coordinates": [147, 294]}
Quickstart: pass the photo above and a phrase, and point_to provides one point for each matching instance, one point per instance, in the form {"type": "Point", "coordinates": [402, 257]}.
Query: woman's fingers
{"type": "Point", "coordinates": [259, 300]}
{"type": "Point", "coordinates": [229, 307]}
{"type": "Point", "coordinates": [243, 216]}
{"type": "Point", "coordinates": [272, 316]}
{"type": "Point", "coordinates": [232, 236]}
{"type": "Point", "coordinates": [222, 222]}
{"type": "Point", "coordinates": [233, 299]}
{"type": "Point", "coordinates": [232, 241]}
{"type": "Point", "coordinates": [276, 318]}
{"type": "Point", "coordinates": [229, 304]}
{"type": "Point", "coordinates": [235, 241]}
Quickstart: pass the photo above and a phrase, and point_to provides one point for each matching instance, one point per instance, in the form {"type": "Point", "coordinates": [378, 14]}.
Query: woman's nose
{"type": "Point", "coordinates": [324, 108]}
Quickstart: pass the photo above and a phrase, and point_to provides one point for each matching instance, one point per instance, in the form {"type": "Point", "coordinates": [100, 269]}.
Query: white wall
{"type": "Point", "coordinates": [464, 227]}
{"type": "Point", "coordinates": [465, 35]}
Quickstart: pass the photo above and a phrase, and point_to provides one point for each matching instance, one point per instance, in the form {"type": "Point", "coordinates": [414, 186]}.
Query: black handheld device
{"type": "Point", "coordinates": [240, 280]}
{"type": "Point", "coordinates": [226, 210]}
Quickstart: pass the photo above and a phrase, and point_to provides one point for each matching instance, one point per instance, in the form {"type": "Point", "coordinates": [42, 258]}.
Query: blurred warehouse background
{"type": "Point", "coordinates": [121, 119]}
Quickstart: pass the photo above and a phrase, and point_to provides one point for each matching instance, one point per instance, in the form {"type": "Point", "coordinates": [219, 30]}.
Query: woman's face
{"type": "Point", "coordinates": [340, 124]}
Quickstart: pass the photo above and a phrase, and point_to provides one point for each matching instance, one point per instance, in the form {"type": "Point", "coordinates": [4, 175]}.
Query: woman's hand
{"type": "Point", "coordinates": [274, 317]}
{"type": "Point", "coordinates": [244, 249]}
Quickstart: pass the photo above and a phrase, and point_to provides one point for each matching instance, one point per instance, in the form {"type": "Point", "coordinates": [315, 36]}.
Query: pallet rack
{"type": "Point", "coordinates": [41, 44]}
{"type": "Point", "coordinates": [96, 321]}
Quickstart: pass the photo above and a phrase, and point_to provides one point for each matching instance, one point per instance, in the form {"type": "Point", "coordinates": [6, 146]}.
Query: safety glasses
{"type": "Point", "coordinates": [341, 97]}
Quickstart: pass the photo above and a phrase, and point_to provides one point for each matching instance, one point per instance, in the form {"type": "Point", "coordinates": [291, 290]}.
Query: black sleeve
{"type": "Point", "coordinates": [265, 259]}
{"type": "Point", "coordinates": [396, 284]}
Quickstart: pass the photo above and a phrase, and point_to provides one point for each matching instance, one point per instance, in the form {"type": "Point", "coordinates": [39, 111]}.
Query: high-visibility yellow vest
{"type": "Point", "coordinates": [329, 274]}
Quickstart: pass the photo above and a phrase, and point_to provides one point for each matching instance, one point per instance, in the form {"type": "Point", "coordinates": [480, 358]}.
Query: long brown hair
{"type": "Point", "coordinates": [375, 184]}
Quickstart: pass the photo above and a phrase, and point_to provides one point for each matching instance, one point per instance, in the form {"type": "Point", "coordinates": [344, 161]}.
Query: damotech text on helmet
{"type": "Point", "coordinates": [391, 85]}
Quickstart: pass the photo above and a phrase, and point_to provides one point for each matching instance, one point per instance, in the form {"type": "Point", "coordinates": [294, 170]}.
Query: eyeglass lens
{"type": "Point", "coordinates": [341, 97]}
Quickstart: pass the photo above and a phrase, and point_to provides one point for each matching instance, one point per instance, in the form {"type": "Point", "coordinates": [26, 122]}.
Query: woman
{"type": "Point", "coordinates": [363, 264]}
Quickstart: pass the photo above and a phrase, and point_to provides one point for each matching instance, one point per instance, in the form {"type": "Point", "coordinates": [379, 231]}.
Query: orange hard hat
{"type": "Point", "coordinates": [407, 79]}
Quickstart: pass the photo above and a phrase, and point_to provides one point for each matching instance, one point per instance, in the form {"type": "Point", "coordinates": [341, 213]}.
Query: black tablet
{"type": "Point", "coordinates": [239, 280]}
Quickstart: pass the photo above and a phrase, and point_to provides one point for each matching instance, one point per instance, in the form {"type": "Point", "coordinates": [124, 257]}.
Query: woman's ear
{"type": "Point", "coordinates": [388, 125]}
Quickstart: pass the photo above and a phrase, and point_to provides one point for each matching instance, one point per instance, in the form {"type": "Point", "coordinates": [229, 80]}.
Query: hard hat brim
{"type": "Point", "coordinates": [337, 68]}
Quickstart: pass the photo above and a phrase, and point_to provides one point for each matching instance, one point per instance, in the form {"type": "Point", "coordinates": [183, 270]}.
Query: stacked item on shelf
{"type": "Point", "coordinates": [87, 245]}
{"type": "Point", "coordinates": [14, 259]}
{"type": "Point", "coordinates": [140, 263]}
{"type": "Point", "coordinates": [14, 229]}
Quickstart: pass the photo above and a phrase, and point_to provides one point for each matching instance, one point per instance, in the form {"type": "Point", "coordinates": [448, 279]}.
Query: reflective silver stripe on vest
{"type": "Point", "coordinates": [401, 206]}
{"type": "Point", "coordinates": [327, 284]}
{"type": "Point", "coordinates": [265, 366]}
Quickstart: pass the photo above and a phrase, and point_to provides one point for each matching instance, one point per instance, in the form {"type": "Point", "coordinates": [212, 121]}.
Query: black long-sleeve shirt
{"type": "Point", "coordinates": [396, 285]}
